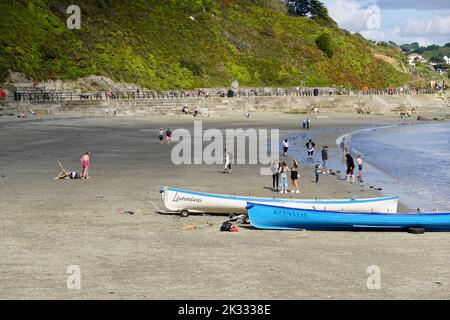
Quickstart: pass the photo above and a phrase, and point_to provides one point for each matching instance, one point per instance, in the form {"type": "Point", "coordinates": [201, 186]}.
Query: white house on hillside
{"type": "Point", "coordinates": [412, 58]}
{"type": "Point", "coordinates": [447, 60]}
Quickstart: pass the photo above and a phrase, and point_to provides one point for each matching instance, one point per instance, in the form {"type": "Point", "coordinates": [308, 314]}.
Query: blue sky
{"type": "Point", "coordinates": [401, 21]}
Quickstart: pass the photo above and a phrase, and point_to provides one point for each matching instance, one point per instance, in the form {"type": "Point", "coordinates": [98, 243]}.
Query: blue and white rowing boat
{"type": "Point", "coordinates": [179, 200]}
{"type": "Point", "coordinates": [274, 217]}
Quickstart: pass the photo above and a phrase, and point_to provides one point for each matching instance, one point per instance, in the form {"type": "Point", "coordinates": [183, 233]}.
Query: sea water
{"type": "Point", "coordinates": [411, 161]}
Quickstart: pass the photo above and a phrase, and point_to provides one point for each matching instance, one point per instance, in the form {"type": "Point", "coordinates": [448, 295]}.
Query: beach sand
{"type": "Point", "coordinates": [49, 225]}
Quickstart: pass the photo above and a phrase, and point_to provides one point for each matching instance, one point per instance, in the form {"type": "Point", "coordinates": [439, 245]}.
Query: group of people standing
{"type": "Point", "coordinates": [280, 171]}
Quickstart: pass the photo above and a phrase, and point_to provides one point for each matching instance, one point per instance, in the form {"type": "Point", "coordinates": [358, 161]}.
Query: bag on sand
{"type": "Point", "coordinates": [228, 227]}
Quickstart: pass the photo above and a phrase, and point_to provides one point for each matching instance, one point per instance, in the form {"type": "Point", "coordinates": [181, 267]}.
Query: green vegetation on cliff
{"type": "Point", "coordinates": [165, 44]}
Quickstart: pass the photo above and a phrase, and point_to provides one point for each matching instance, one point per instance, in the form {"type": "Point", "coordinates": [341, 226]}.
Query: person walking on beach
{"type": "Point", "coordinates": [85, 163]}
{"type": "Point", "coordinates": [308, 124]}
{"type": "Point", "coordinates": [294, 177]}
{"type": "Point", "coordinates": [161, 136]}
{"type": "Point", "coordinates": [285, 147]}
{"type": "Point", "coordinates": [227, 157]}
{"type": "Point", "coordinates": [360, 163]}
{"type": "Point", "coordinates": [345, 148]}
{"type": "Point", "coordinates": [317, 171]}
{"type": "Point", "coordinates": [275, 168]}
{"type": "Point", "coordinates": [168, 136]}
{"type": "Point", "coordinates": [304, 124]}
{"type": "Point", "coordinates": [284, 169]}
{"type": "Point", "coordinates": [350, 168]}
{"type": "Point", "coordinates": [325, 159]}
{"type": "Point", "coordinates": [310, 145]}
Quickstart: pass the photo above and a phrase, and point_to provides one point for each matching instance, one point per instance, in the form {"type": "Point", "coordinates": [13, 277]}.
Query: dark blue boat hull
{"type": "Point", "coordinates": [274, 217]}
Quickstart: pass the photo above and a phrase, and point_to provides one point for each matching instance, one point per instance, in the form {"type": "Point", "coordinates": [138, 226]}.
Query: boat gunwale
{"type": "Point", "coordinates": [279, 200]}
{"type": "Point", "coordinates": [252, 204]}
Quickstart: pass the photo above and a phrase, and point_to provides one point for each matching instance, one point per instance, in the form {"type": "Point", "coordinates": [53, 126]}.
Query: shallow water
{"type": "Point", "coordinates": [411, 161]}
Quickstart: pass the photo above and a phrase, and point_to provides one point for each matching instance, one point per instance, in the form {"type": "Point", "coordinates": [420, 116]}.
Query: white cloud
{"type": "Point", "coordinates": [439, 26]}
{"type": "Point", "coordinates": [394, 35]}
{"type": "Point", "coordinates": [398, 27]}
{"type": "Point", "coordinates": [349, 15]}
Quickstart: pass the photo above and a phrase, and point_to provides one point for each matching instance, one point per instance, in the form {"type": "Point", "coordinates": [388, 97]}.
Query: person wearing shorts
{"type": "Point", "coordinates": [285, 147]}
{"type": "Point", "coordinates": [310, 146]}
{"type": "Point", "coordinates": [294, 177]}
{"type": "Point", "coordinates": [360, 163]}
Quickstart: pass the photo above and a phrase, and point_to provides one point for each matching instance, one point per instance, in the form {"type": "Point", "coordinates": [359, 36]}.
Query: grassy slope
{"type": "Point", "coordinates": [157, 44]}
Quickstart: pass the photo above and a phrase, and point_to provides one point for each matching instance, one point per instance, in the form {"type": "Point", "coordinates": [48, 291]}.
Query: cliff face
{"type": "Point", "coordinates": [166, 44]}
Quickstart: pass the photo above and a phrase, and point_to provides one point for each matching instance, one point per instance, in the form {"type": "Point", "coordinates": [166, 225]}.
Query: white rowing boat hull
{"type": "Point", "coordinates": [179, 200]}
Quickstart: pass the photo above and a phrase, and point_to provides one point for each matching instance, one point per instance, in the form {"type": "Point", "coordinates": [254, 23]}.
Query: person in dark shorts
{"type": "Point", "coordinates": [294, 177]}
{"type": "Point", "coordinates": [310, 145]}
{"type": "Point", "coordinates": [285, 147]}
{"type": "Point", "coordinates": [161, 136]}
{"type": "Point", "coordinates": [350, 168]}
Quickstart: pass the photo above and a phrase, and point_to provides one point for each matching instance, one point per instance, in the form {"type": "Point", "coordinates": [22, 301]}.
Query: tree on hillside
{"type": "Point", "coordinates": [323, 42]}
{"type": "Point", "coordinates": [309, 8]}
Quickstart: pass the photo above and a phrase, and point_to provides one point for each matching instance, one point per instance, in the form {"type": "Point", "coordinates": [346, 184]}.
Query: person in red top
{"type": "Point", "coordinates": [3, 94]}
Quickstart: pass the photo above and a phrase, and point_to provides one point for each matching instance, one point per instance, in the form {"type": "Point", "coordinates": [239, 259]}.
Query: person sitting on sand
{"type": "Point", "coordinates": [85, 163]}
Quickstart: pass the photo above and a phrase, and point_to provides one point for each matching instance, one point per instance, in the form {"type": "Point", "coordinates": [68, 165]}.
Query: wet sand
{"type": "Point", "coordinates": [49, 225]}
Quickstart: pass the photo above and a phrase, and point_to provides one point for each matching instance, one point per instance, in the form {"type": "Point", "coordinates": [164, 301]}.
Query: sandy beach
{"type": "Point", "coordinates": [48, 225]}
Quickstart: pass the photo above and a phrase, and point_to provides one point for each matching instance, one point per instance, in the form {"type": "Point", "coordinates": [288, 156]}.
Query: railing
{"type": "Point", "coordinates": [177, 95]}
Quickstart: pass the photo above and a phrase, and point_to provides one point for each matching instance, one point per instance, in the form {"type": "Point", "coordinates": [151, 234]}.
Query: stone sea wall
{"type": "Point", "coordinates": [221, 106]}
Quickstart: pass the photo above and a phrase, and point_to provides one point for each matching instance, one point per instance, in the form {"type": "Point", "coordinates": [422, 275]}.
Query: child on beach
{"type": "Point", "coordinates": [284, 169]}
{"type": "Point", "coordinates": [360, 163]}
{"type": "Point", "coordinates": [85, 163]}
{"type": "Point", "coordinates": [294, 177]}
{"type": "Point", "coordinates": [285, 147]}
{"type": "Point", "coordinates": [275, 168]}
{"type": "Point", "coordinates": [317, 171]}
